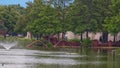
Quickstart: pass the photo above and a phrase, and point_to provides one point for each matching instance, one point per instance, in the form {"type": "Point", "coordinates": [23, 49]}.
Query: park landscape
{"type": "Point", "coordinates": [35, 35]}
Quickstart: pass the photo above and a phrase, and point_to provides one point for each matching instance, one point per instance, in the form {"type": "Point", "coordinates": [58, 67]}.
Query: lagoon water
{"type": "Point", "coordinates": [62, 58]}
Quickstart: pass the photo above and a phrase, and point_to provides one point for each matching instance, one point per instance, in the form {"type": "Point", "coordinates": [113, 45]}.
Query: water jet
{"type": "Point", "coordinates": [8, 45]}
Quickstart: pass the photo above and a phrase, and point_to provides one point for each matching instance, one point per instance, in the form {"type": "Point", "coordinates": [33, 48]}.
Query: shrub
{"type": "Point", "coordinates": [49, 44]}
{"type": "Point", "coordinates": [74, 40]}
{"type": "Point", "coordinates": [8, 39]}
{"type": "Point", "coordinates": [86, 42]}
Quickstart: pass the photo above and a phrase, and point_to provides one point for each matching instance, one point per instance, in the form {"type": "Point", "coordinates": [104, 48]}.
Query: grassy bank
{"type": "Point", "coordinates": [23, 42]}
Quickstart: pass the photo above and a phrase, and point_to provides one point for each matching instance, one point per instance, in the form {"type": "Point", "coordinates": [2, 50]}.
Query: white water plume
{"type": "Point", "coordinates": [8, 45]}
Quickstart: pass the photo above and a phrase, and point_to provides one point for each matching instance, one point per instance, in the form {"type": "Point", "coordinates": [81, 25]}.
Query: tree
{"type": "Point", "coordinates": [76, 13]}
{"type": "Point", "coordinates": [9, 14]}
{"type": "Point", "coordinates": [81, 17]}
{"type": "Point", "coordinates": [102, 10]}
{"type": "Point", "coordinates": [61, 7]}
{"type": "Point", "coordinates": [43, 19]}
{"type": "Point", "coordinates": [21, 24]}
{"type": "Point", "coordinates": [112, 23]}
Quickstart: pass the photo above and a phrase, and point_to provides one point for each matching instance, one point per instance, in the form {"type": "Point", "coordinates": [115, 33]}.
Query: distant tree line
{"type": "Point", "coordinates": [48, 17]}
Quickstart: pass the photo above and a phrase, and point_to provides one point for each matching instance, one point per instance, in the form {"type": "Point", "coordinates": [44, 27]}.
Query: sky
{"type": "Point", "coordinates": [9, 2]}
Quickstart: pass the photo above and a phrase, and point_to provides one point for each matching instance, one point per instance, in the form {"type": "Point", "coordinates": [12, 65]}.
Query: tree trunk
{"type": "Point", "coordinates": [63, 35]}
{"type": "Point", "coordinates": [81, 37]}
{"type": "Point", "coordinates": [40, 36]}
{"type": "Point", "coordinates": [104, 37]}
{"type": "Point", "coordinates": [87, 34]}
{"type": "Point", "coordinates": [58, 36]}
{"type": "Point", "coordinates": [114, 38]}
{"type": "Point", "coordinates": [37, 36]}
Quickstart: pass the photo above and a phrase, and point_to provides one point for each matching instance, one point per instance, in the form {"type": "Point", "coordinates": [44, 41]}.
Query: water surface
{"type": "Point", "coordinates": [85, 58]}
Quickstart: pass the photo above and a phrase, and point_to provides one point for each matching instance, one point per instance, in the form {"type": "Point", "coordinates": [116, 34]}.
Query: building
{"type": "Point", "coordinates": [92, 36]}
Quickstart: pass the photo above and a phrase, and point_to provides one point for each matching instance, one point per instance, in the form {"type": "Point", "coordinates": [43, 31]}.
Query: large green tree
{"type": "Point", "coordinates": [43, 19]}
{"type": "Point", "coordinates": [81, 17]}
{"type": "Point", "coordinates": [89, 15]}
{"type": "Point", "coordinates": [25, 18]}
{"type": "Point", "coordinates": [112, 23]}
{"type": "Point", "coordinates": [9, 14]}
{"type": "Point", "coordinates": [102, 10]}
{"type": "Point", "coordinates": [61, 7]}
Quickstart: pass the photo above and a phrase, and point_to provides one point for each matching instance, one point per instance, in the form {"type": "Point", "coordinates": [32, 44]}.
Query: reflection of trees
{"type": "Point", "coordinates": [115, 59]}
{"type": "Point", "coordinates": [111, 59]}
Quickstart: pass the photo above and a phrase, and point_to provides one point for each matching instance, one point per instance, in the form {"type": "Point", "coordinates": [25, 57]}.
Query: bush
{"type": "Point", "coordinates": [74, 40]}
{"type": "Point", "coordinates": [86, 42]}
{"type": "Point", "coordinates": [49, 44]}
{"type": "Point", "coordinates": [8, 39]}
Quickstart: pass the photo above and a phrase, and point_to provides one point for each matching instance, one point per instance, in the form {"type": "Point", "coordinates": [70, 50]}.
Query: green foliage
{"type": "Point", "coordinates": [21, 24]}
{"type": "Point", "coordinates": [88, 15]}
{"type": "Point", "coordinates": [9, 14]}
{"type": "Point", "coordinates": [112, 23]}
{"type": "Point", "coordinates": [74, 40]}
{"type": "Point", "coordinates": [8, 39]}
{"type": "Point", "coordinates": [50, 45]}
{"type": "Point", "coordinates": [49, 17]}
{"type": "Point", "coordinates": [2, 27]}
{"type": "Point", "coordinates": [77, 13]}
{"type": "Point", "coordinates": [86, 42]}
{"type": "Point", "coordinates": [24, 42]}
{"type": "Point", "coordinates": [2, 38]}
{"type": "Point", "coordinates": [44, 21]}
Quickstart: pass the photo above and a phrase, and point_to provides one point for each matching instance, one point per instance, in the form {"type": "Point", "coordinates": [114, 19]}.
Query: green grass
{"type": "Point", "coordinates": [74, 40]}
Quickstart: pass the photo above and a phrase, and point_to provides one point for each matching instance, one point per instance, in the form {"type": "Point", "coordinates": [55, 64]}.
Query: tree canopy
{"type": "Point", "coordinates": [58, 16]}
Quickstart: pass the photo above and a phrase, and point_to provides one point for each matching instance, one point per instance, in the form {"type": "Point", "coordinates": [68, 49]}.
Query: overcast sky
{"type": "Point", "coordinates": [8, 2]}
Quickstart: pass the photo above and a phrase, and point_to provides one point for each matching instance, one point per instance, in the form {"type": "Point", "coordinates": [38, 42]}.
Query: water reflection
{"type": "Point", "coordinates": [23, 58]}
